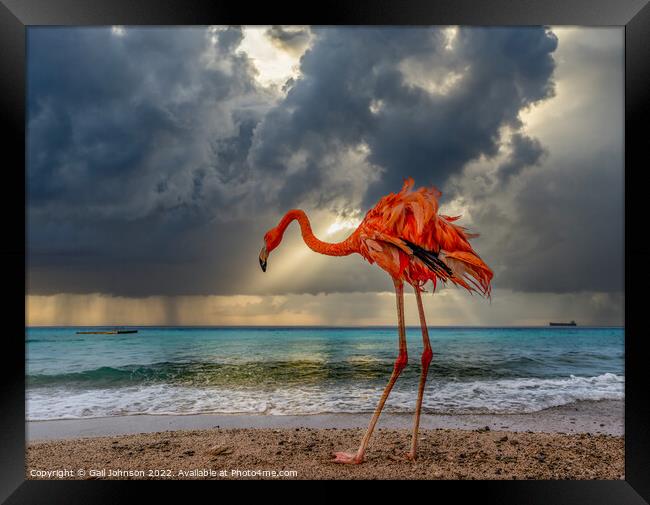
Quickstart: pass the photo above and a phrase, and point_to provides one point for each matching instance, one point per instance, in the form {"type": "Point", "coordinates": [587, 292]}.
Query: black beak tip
{"type": "Point", "coordinates": [263, 265]}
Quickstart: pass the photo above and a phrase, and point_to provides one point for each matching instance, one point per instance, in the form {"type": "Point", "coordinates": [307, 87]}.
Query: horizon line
{"type": "Point", "coordinates": [314, 326]}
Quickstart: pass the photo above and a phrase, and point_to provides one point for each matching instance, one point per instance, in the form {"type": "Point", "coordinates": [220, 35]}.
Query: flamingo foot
{"type": "Point", "coordinates": [409, 456]}
{"type": "Point", "coordinates": [346, 458]}
{"type": "Point", "coordinates": [405, 456]}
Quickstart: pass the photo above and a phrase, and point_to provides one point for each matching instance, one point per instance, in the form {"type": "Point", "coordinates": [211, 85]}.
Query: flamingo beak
{"type": "Point", "coordinates": [263, 257]}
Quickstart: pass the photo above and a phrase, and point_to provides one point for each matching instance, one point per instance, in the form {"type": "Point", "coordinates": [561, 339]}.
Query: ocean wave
{"type": "Point", "coordinates": [106, 375]}
{"type": "Point", "coordinates": [513, 395]}
{"type": "Point", "coordinates": [262, 373]}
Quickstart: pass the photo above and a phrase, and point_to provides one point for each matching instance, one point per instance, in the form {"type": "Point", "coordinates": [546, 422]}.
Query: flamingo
{"type": "Point", "coordinates": [405, 236]}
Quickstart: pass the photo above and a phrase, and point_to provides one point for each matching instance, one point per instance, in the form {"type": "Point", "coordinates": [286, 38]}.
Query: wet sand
{"type": "Point", "coordinates": [578, 441]}
{"type": "Point", "coordinates": [596, 417]}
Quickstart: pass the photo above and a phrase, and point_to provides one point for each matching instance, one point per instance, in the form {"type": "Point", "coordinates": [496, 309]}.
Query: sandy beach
{"type": "Point", "coordinates": [444, 454]}
{"type": "Point", "coordinates": [580, 441]}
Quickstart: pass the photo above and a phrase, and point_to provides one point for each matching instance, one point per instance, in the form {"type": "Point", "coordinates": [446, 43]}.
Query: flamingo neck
{"type": "Point", "coordinates": [344, 248]}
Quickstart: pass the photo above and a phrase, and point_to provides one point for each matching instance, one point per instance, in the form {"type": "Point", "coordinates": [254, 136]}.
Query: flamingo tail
{"type": "Point", "coordinates": [462, 268]}
{"type": "Point", "coordinates": [469, 267]}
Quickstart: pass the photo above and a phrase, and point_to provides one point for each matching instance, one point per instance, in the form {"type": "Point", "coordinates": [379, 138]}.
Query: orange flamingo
{"type": "Point", "coordinates": [404, 235]}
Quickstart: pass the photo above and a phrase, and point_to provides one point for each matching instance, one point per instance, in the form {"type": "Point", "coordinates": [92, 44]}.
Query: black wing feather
{"type": "Point", "coordinates": [430, 259]}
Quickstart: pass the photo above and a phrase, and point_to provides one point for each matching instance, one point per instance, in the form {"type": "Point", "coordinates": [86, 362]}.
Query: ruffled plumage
{"type": "Point", "coordinates": [405, 235]}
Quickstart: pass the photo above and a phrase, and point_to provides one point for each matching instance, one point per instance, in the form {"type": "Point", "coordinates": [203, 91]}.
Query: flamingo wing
{"type": "Point", "coordinates": [397, 254]}
{"type": "Point", "coordinates": [404, 259]}
{"type": "Point", "coordinates": [390, 254]}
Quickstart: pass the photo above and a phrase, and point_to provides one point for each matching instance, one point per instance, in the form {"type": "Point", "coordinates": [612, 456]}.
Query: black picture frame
{"type": "Point", "coordinates": [634, 15]}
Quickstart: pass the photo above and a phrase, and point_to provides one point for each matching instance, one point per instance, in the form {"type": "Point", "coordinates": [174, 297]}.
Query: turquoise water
{"type": "Point", "coordinates": [315, 370]}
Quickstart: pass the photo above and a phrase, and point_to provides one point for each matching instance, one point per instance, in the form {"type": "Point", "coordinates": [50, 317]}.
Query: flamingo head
{"type": "Point", "coordinates": [264, 254]}
{"type": "Point", "coordinates": [271, 241]}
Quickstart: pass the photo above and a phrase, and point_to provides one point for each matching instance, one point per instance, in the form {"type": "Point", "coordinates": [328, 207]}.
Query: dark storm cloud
{"type": "Point", "coordinates": [156, 162]}
{"type": "Point", "coordinates": [526, 152]}
{"type": "Point", "coordinates": [557, 226]}
{"type": "Point", "coordinates": [135, 140]}
{"type": "Point", "coordinates": [291, 39]}
{"type": "Point", "coordinates": [122, 126]}
{"type": "Point", "coordinates": [412, 130]}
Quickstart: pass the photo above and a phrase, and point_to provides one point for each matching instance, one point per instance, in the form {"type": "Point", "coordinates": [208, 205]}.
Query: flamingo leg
{"type": "Point", "coordinates": [400, 363]}
{"type": "Point", "coordinates": [427, 354]}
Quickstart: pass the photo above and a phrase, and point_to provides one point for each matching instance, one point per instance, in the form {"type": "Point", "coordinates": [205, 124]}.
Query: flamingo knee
{"type": "Point", "coordinates": [427, 356]}
{"type": "Point", "coordinates": [401, 362]}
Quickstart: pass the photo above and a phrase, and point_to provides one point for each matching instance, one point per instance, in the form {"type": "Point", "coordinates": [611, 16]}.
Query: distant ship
{"type": "Point", "coordinates": [572, 323]}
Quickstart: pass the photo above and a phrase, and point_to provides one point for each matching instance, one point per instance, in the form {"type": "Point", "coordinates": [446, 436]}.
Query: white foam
{"type": "Point", "coordinates": [487, 396]}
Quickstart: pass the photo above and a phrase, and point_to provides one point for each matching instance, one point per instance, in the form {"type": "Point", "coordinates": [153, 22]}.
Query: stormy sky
{"type": "Point", "coordinates": [158, 157]}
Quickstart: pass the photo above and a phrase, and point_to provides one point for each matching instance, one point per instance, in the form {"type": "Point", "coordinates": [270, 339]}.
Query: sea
{"type": "Point", "coordinates": [308, 370]}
